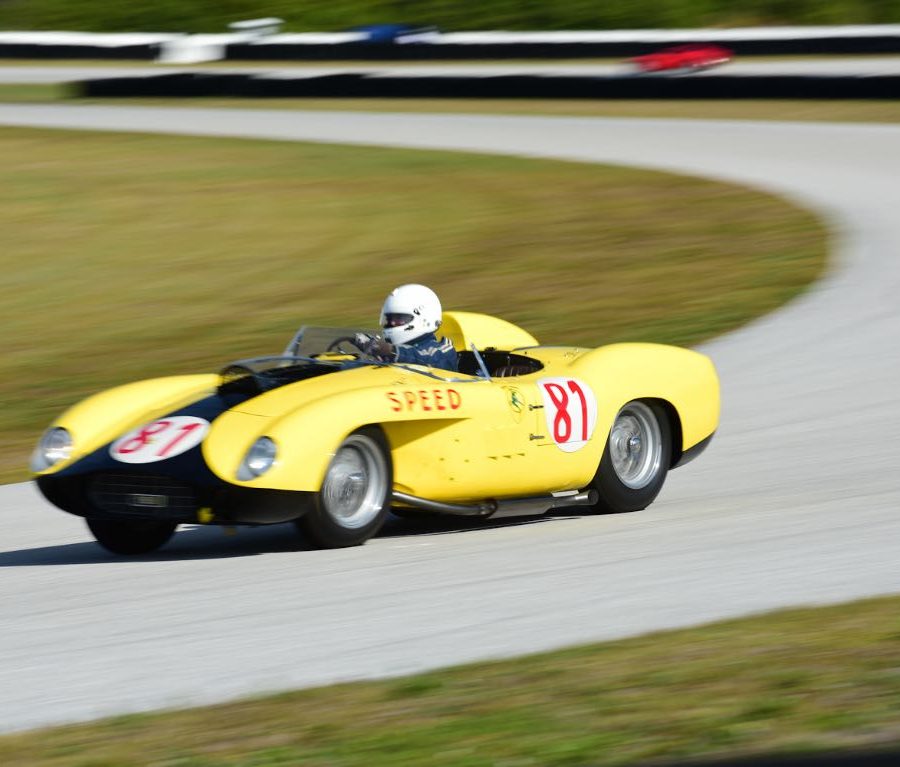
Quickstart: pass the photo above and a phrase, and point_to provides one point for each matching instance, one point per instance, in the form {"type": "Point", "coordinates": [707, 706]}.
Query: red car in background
{"type": "Point", "coordinates": [681, 57]}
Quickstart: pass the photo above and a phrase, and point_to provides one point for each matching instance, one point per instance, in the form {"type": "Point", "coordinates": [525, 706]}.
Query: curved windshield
{"type": "Point", "coordinates": [312, 340]}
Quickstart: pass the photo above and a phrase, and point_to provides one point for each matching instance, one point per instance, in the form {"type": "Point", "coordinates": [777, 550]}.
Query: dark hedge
{"type": "Point", "coordinates": [304, 15]}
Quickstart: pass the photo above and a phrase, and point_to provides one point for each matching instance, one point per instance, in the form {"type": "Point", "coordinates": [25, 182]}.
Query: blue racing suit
{"type": "Point", "coordinates": [428, 350]}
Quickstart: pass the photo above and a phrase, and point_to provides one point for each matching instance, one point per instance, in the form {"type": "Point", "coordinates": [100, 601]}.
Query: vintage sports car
{"type": "Point", "coordinates": [323, 436]}
{"type": "Point", "coordinates": [682, 58]}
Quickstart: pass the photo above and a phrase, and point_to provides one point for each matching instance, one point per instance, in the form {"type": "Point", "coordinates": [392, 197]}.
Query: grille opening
{"type": "Point", "coordinates": [142, 494]}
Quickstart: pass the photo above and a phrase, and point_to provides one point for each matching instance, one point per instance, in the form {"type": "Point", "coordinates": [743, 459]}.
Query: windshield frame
{"type": "Point", "coordinates": [291, 353]}
{"type": "Point", "coordinates": [294, 345]}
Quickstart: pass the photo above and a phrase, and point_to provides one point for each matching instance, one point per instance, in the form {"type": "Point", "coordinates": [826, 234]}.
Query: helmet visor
{"type": "Point", "coordinates": [396, 320]}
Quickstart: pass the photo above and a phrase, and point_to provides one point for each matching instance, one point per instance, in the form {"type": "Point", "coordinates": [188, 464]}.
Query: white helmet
{"type": "Point", "coordinates": [409, 312]}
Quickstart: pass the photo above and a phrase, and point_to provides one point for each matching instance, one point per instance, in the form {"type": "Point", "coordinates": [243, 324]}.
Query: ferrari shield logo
{"type": "Point", "coordinates": [516, 402]}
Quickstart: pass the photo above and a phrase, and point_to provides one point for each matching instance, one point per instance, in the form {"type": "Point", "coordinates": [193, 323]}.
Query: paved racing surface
{"type": "Point", "coordinates": [796, 502]}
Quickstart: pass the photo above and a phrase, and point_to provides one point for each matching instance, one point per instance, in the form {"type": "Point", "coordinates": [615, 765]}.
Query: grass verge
{"type": "Point", "coordinates": [130, 256]}
{"type": "Point", "coordinates": [886, 111]}
{"type": "Point", "coordinates": [801, 681]}
{"type": "Point", "coordinates": [30, 93]}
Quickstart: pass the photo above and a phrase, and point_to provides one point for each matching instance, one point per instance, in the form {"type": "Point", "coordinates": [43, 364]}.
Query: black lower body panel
{"type": "Point", "coordinates": [692, 452]}
{"type": "Point", "coordinates": [135, 495]}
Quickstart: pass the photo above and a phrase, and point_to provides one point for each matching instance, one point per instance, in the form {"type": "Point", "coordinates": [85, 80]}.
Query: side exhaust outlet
{"type": "Point", "coordinates": [492, 509]}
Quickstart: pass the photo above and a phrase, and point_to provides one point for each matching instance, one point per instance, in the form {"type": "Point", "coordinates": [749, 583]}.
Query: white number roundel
{"type": "Point", "coordinates": [160, 439]}
{"type": "Point", "coordinates": [571, 411]}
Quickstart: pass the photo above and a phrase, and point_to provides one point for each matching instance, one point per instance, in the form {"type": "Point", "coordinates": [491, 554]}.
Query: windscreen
{"type": "Point", "coordinates": [312, 340]}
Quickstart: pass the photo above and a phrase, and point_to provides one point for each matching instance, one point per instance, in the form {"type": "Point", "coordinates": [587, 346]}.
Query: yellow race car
{"type": "Point", "coordinates": [323, 436]}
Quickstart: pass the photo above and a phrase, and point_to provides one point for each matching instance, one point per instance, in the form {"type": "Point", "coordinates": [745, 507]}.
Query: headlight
{"type": "Point", "coordinates": [259, 459]}
{"type": "Point", "coordinates": [55, 446]}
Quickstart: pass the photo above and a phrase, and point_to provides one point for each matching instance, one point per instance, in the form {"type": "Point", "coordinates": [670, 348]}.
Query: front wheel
{"type": "Point", "coordinates": [354, 499]}
{"type": "Point", "coordinates": [131, 536]}
{"type": "Point", "coordinates": [635, 460]}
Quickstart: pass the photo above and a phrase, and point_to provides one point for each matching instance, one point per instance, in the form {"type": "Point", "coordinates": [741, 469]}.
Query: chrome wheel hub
{"type": "Point", "coordinates": [355, 484]}
{"type": "Point", "coordinates": [635, 445]}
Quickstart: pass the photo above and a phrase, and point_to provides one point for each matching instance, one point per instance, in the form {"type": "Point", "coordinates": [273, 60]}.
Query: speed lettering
{"type": "Point", "coordinates": [571, 411]}
{"type": "Point", "coordinates": [424, 400]}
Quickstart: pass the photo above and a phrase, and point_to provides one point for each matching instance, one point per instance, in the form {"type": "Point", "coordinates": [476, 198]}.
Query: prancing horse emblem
{"type": "Point", "coordinates": [516, 402]}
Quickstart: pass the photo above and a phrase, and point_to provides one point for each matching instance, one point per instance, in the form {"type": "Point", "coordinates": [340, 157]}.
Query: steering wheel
{"type": "Point", "coordinates": [335, 346]}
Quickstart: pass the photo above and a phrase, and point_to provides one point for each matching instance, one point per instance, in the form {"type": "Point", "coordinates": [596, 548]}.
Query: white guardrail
{"type": "Point", "coordinates": [183, 48]}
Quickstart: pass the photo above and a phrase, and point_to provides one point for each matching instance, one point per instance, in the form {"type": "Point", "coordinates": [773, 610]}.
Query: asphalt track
{"type": "Point", "coordinates": [795, 503]}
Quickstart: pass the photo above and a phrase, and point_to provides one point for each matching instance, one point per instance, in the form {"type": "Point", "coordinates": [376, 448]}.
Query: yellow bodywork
{"type": "Point", "coordinates": [103, 417]}
{"type": "Point", "coordinates": [452, 437]}
{"type": "Point", "coordinates": [467, 328]}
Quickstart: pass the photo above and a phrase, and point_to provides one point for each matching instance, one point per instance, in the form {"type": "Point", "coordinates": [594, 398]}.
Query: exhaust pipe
{"type": "Point", "coordinates": [514, 507]}
{"type": "Point", "coordinates": [523, 507]}
{"type": "Point", "coordinates": [484, 509]}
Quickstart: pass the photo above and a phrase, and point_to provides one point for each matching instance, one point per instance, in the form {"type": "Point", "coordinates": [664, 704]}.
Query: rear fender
{"type": "Point", "coordinates": [684, 380]}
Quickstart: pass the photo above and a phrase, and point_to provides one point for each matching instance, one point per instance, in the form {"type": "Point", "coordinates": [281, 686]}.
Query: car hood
{"type": "Point", "coordinates": [282, 400]}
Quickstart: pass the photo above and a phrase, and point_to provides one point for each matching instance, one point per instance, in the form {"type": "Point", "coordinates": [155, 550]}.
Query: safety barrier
{"type": "Point", "coordinates": [434, 45]}
{"type": "Point", "coordinates": [144, 52]}
{"type": "Point", "coordinates": [425, 51]}
{"type": "Point", "coordinates": [363, 85]}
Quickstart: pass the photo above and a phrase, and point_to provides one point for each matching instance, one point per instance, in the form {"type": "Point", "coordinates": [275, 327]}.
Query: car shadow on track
{"type": "Point", "coordinates": [441, 524]}
{"type": "Point", "coordinates": [201, 542]}
{"type": "Point", "coordinates": [190, 542]}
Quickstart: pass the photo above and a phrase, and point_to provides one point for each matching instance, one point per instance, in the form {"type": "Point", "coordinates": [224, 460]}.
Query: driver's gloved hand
{"type": "Point", "coordinates": [381, 348]}
{"type": "Point", "coordinates": [374, 346]}
{"type": "Point", "coordinates": [363, 341]}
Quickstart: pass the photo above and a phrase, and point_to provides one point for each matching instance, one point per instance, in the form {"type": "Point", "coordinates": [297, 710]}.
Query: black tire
{"type": "Point", "coordinates": [131, 536]}
{"type": "Point", "coordinates": [347, 510]}
{"type": "Point", "coordinates": [631, 474]}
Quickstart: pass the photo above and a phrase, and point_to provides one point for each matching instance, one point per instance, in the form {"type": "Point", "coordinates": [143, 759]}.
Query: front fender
{"type": "Point", "coordinates": [308, 436]}
{"type": "Point", "coordinates": [102, 417]}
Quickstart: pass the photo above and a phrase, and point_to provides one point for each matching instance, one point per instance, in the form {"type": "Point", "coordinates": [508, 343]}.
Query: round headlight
{"type": "Point", "coordinates": [259, 459]}
{"type": "Point", "coordinates": [55, 446]}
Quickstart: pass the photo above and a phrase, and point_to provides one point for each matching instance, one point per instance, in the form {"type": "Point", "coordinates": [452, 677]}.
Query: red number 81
{"type": "Point", "coordinates": [562, 422]}
{"type": "Point", "coordinates": [142, 438]}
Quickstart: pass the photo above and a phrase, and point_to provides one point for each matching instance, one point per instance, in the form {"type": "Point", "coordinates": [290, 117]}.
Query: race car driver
{"type": "Point", "coordinates": [409, 318]}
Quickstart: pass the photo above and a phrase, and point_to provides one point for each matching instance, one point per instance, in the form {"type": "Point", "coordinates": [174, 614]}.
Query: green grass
{"type": "Point", "coordinates": [26, 93]}
{"type": "Point", "coordinates": [130, 256]}
{"type": "Point", "coordinates": [818, 680]}
{"type": "Point", "coordinates": [887, 111]}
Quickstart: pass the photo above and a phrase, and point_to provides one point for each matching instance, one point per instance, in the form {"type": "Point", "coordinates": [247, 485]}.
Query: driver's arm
{"type": "Point", "coordinates": [437, 355]}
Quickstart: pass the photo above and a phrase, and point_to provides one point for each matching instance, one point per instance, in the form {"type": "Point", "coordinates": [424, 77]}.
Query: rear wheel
{"type": "Point", "coordinates": [131, 536]}
{"type": "Point", "coordinates": [354, 499]}
{"type": "Point", "coordinates": [635, 460]}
